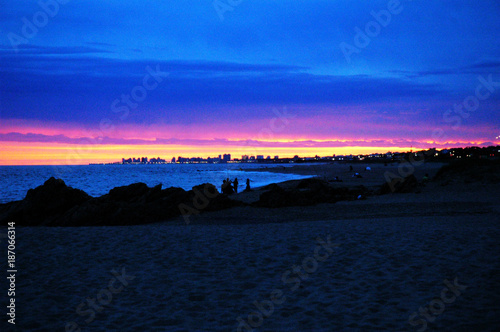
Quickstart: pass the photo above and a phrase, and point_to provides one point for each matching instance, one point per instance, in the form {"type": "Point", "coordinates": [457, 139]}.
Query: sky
{"type": "Point", "coordinates": [95, 81]}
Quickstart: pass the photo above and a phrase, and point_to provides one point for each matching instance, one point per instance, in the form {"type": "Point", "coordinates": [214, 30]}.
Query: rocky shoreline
{"type": "Point", "coordinates": [56, 204]}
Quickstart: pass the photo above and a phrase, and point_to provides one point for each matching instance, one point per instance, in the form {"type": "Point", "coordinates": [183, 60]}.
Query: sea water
{"type": "Point", "coordinates": [97, 180]}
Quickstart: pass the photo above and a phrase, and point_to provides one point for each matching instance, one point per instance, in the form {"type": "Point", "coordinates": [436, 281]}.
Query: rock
{"type": "Point", "coordinates": [45, 203]}
{"type": "Point", "coordinates": [276, 197]}
{"type": "Point", "coordinates": [398, 185]}
{"type": "Point", "coordinates": [307, 192]}
{"type": "Point", "coordinates": [55, 204]}
{"type": "Point", "coordinates": [208, 189]}
{"type": "Point", "coordinates": [154, 193]}
{"type": "Point", "coordinates": [271, 186]}
{"type": "Point", "coordinates": [482, 171]}
{"type": "Point", "coordinates": [208, 198]}
{"type": "Point", "coordinates": [313, 184]}
{"type": "Point", "coordinates": [128, 193]}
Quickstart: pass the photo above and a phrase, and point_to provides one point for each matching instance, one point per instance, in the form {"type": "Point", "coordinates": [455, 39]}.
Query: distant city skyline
{"type": "Point", "coordinates": [91, 81]}
{"type": "Point", "coordinates": [455, 152]}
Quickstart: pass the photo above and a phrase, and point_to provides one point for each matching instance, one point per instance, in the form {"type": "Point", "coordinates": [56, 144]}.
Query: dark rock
{"type": "Point", "coordinates": [307, 192]}
{"type": "Point", "coordinates": [55, 204]}
{"type": "Point", "coordinates": [271, 186]}
{"type": "Point", "coordinates": [208, 189]}
{"type": "Point", "coordinates": [313, 184]}
{"type": "Point", "coordinates": [407, 185]}
{"type": "Point", "coordinates": [154, 194]}
{"type": "Point", "coordinates": [128, 193]}
{"type": "Point", "coordinates": [45, 203]}
{"type": "Point", "coordinates": [206, 197]}
{"type": "Point", "coordinates": [470, 171]}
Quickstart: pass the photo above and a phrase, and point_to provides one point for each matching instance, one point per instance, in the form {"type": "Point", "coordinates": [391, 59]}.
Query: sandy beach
{"type": "Point", "coordinates": [399, 262]}
{"type": "Point", "coordinates": [250, 166]}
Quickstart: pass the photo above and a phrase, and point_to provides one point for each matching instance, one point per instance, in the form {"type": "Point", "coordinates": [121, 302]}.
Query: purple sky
{"type": "Point", "coordinates": [387, 73]}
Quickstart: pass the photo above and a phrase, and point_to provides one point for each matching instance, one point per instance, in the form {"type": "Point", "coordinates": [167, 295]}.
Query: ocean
{"type": "Point", "coordinates": [97, 180]}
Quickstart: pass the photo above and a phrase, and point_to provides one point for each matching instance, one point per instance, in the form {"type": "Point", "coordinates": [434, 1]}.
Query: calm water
{"type": "Point", "coordinates": [97, 180]}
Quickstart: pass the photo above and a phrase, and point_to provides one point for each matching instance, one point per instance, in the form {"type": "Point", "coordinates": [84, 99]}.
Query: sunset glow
{"type": "Point", "coordinates": [76, 93]}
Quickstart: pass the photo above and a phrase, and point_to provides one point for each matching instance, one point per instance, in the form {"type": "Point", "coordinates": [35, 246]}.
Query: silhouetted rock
{"type": "Point", "coordinates": [407, 185]}
{"type": "Point", "coordinates": [207, 189]}
{"type": "Point", "coordinates": [128, 193]}
{"type": "Point", "coordinates": [45, 203]}
{"type": "Point", "coordinates": [307, 192]}
{"type": "Point", "coordinates": [313, 184]}
{"type": "Point", "coordinates": [271, 186]}
{"type": "Point", "coordinates": [279, 197]}
{"type": "Point", "coordinates": [466, 171]}
{"type": "Point", "coordinates": [55, 204]}
{"type": "Point", "coordinates": [206, 197]}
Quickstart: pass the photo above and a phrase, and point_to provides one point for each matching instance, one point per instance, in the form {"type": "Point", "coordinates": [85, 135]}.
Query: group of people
{"type": "Point", "coordinates": [230, 187]}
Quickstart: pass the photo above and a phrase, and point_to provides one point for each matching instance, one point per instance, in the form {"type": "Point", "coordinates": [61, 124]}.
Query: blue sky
{"type": "Point", "coordinates": [261, 55]}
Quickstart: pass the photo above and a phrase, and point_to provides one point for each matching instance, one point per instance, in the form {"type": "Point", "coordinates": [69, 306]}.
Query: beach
{"type": "Point", "coordinates": [427, 260]}
{"type": "Point", "coordinates": [250, 166]}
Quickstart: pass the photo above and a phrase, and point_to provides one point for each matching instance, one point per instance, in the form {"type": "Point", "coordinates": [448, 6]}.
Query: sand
{"type": "Point", "coordinates": [374, 177]}
{"type": "Point", "coordinates": [389, 256]}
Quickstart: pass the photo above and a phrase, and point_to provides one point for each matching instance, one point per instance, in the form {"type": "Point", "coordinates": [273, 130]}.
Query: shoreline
{"type": "Point", "coordinates": [393, 255]}
{"type": "Point", "coordinates": [56, 204]}
{"type": "Point", "coordinates": [437, 198]}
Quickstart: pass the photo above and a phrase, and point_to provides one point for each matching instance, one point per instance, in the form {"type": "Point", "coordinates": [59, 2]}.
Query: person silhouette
{"type": "Point", "coordinates": [248, 185]}
{"type": "Point", "coordinates": [235, 185]}
{"type": "Point", "coordinates": [227, 188]}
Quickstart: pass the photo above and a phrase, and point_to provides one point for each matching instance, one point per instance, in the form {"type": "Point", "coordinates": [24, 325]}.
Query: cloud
{"type": "Point", "coordinates": [482, 67]}
{"type": "Point", "coordinates": [229, 75]}
{"type": "Point", "coordinates": [48, 50]}
{"type": "Point", "coordinates": [85, 141]}
{"type": "Point", "coordinates": [80, 87]}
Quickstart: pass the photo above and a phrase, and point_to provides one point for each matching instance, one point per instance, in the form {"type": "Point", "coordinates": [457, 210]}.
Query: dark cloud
{"type": "Point", "coordinates": [48, 87]}
{"type": "Point", "coordinates": [483, 67]}
{"type": "Point", "coordinates": [48, 50]}
{"type": "Point", "coordinates": [263, 54]}
{"type": "Point", "coordinates": [83, 141]}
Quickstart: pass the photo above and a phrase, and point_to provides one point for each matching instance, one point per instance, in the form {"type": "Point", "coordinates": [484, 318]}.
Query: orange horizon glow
{"type": "Point", "coordinates": [23, 154]}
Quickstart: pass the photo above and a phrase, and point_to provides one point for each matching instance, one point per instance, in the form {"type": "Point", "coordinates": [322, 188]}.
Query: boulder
{"type": "Point", "coordinates": [482, 171]}
{"type": "Point", "coordinates": [208, 198]}
{"type": "Point", "coordinates": [271, 186]}
{"type": "Point", "coordinates": [407, 185]}
{"type": "Point", "coordinates": [55, 204]}
{"type": "Point", "coordinates": [45, 203]}
{"type": "Point", "coordinates": [313, 184]}
{"type": "Point", "coordinates": [307, 192]}
{"type": "Point", "coordinates": [128, 193]}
